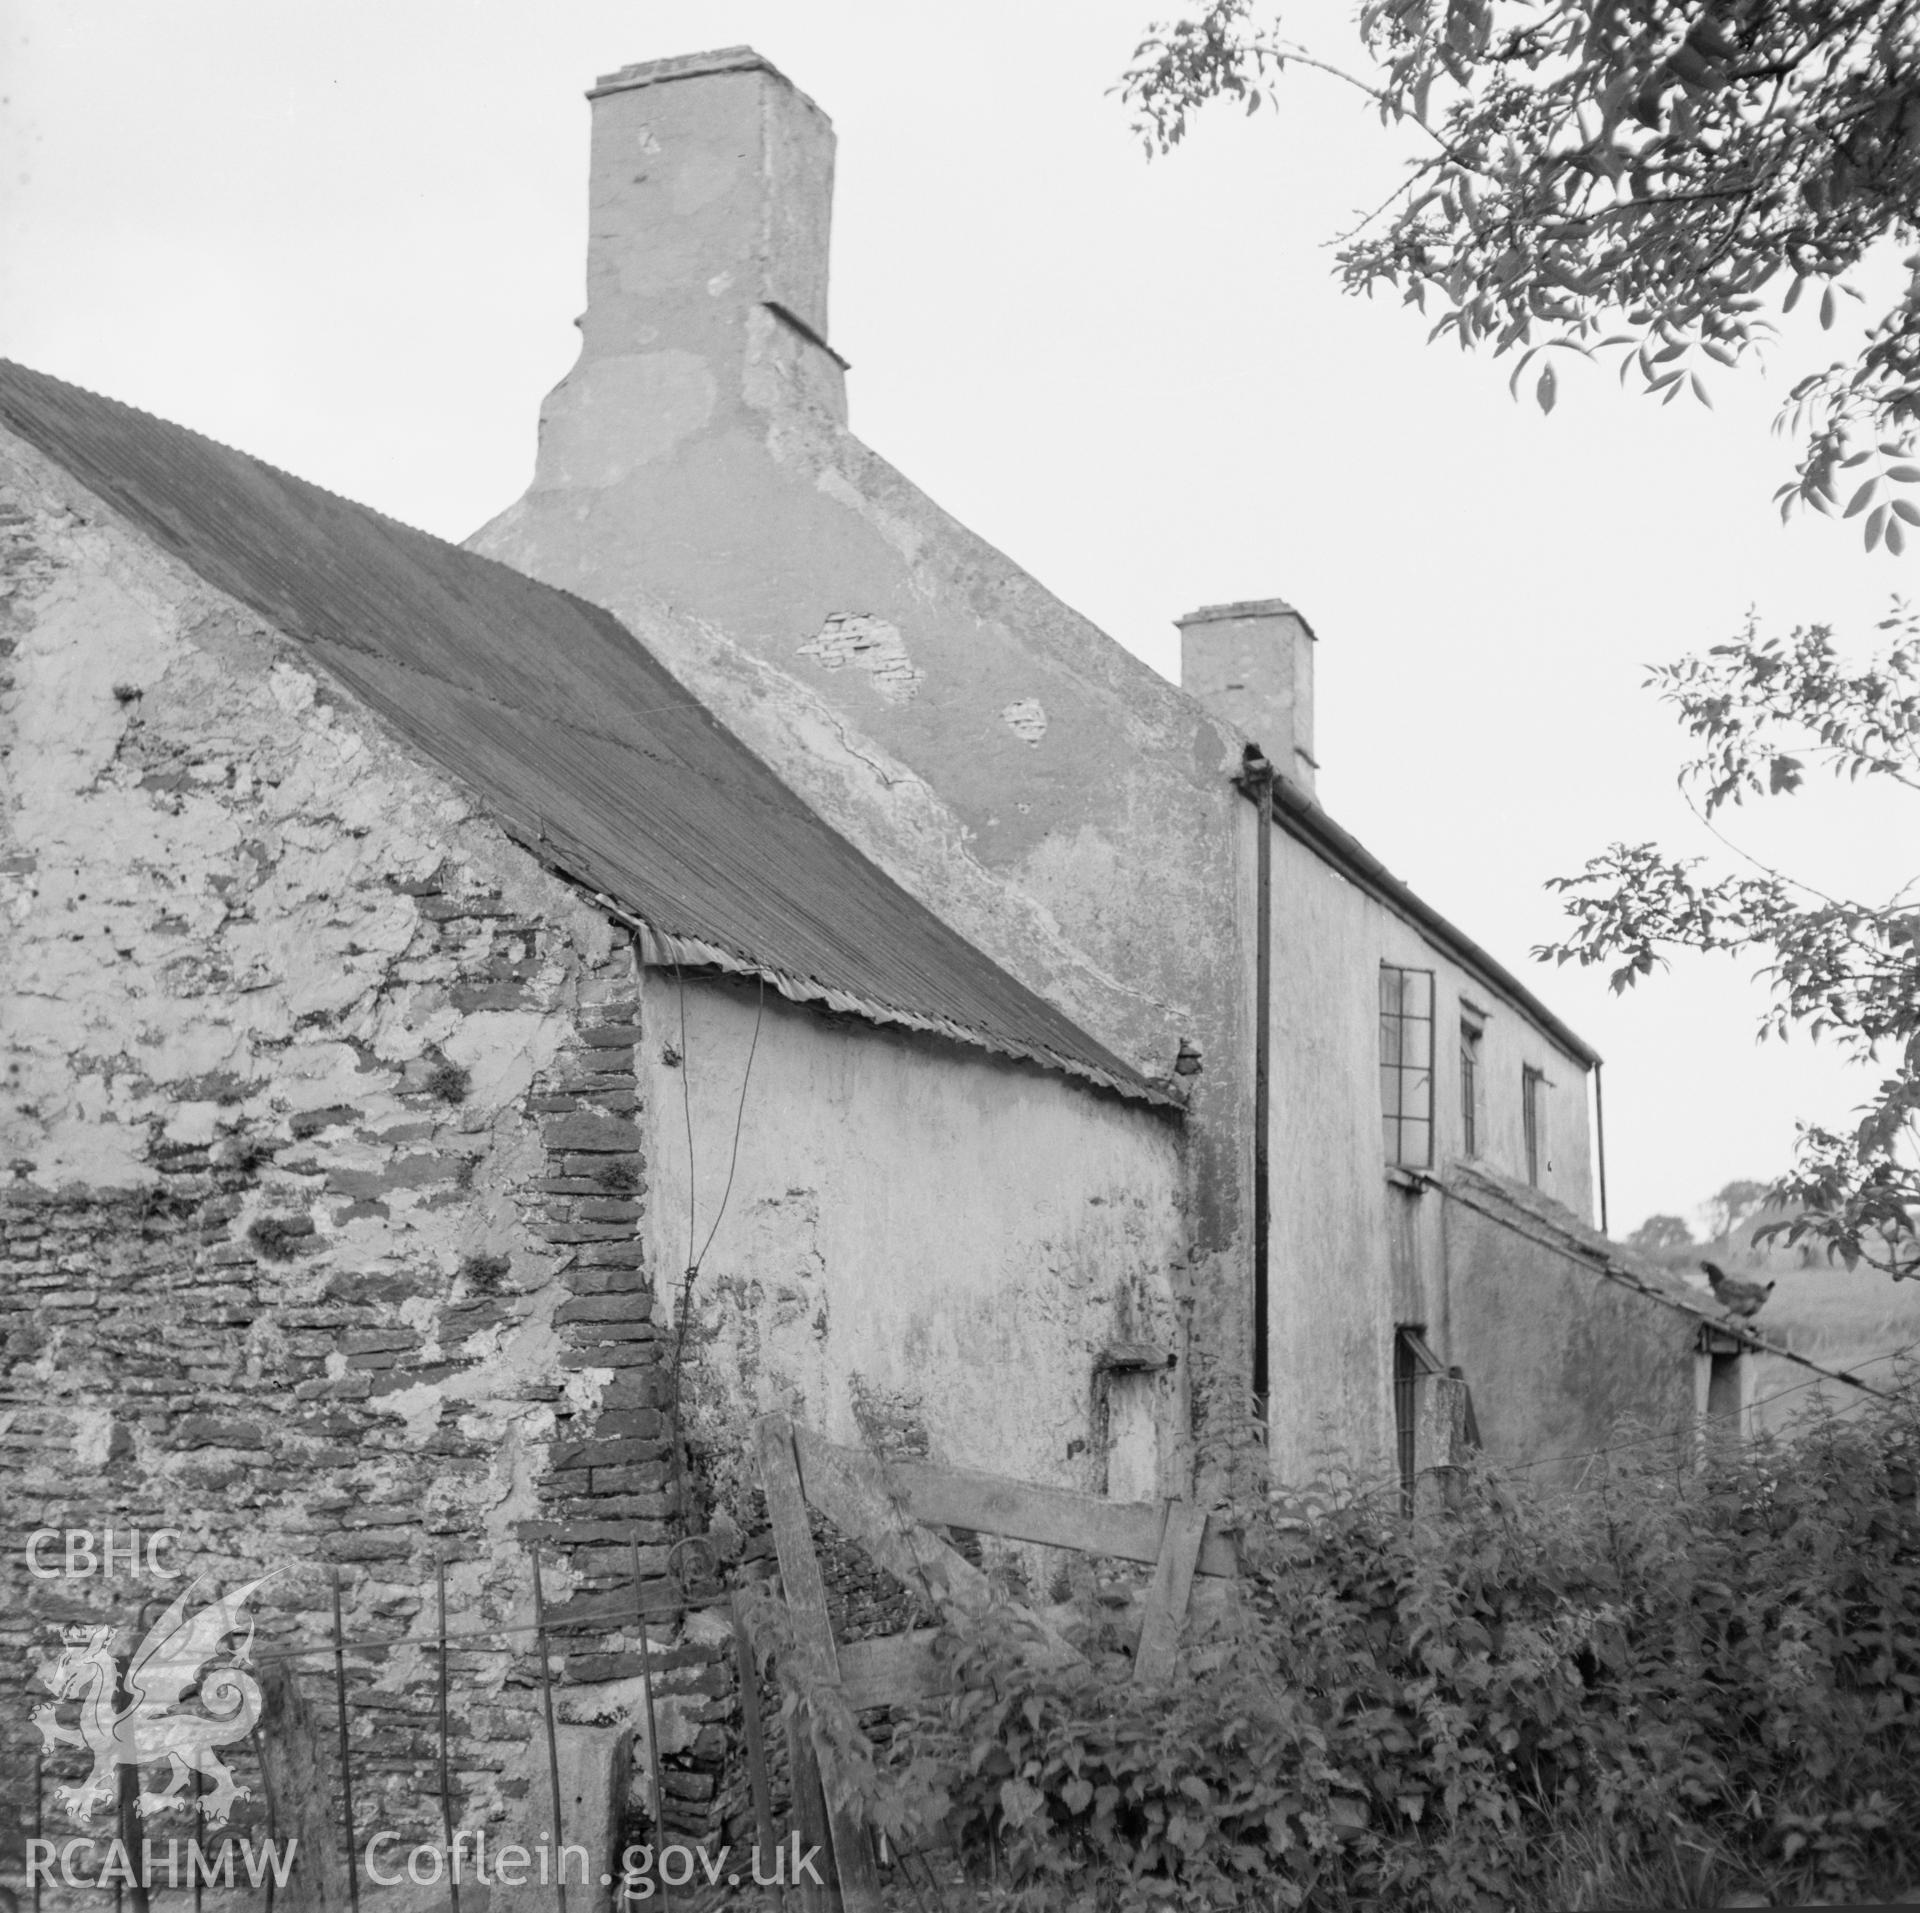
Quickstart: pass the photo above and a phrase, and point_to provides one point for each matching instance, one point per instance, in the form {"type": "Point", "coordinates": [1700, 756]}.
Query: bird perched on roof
{"type": "Point", "coordinates": [1734, 1295]}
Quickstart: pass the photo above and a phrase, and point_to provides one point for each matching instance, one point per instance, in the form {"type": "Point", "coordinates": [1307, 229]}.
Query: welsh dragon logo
{"type": "Point", "coordinates": [151, 1728]}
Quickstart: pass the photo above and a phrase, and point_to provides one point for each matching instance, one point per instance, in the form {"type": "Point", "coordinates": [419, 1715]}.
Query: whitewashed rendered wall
{"type": "Point", "coordinates": [925, 1248]}
{"type": "Point", "coordinates": [1352, 1253]}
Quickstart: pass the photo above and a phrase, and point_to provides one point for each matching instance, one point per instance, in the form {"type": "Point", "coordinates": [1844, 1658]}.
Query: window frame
{"type": "Point", "coordinates": [1395, 1116]}
{"type": "Point", "coordinates": [1533, 1122]}
{"type": "Point", "coordinates": [1473, 1080]}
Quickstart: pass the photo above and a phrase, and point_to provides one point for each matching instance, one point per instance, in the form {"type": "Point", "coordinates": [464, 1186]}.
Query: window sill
{"type": "Point", "coordinates": [1413, 1180]}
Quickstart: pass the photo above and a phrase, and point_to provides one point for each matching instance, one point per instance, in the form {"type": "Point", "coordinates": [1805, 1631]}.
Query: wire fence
{"type": "Point", "coordinates": [1748, 1408]}
{"type": "Point", "coordinates": [640, 1603]}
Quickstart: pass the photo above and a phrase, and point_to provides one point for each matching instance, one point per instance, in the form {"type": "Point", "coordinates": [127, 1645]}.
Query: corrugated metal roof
{"type": "Point", "coordinates": [575, 737]}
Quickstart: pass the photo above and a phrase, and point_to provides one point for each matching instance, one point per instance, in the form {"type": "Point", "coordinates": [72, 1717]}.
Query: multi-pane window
{"type": "Point", "coordinates": [1471, 1120]}
{"type": "Point", "coordinates": [1533, 1120]}
{"type": "Point", "coordinates": [1406, 1064]}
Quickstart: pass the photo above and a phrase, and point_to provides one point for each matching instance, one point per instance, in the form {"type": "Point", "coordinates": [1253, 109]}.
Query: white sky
{"type": "Point", "coordinates": [350, 238]}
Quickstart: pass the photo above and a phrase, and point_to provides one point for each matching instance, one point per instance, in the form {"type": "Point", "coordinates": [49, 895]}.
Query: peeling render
{"type": "Point", "coordinates": [1026, 720]}
{"type": "Point", "coordinates": [347, 1143]}
{"type": "Point", "coordinates": [871, 645]}
{"type": "Point", "coordinates": [909, 1241]}
{"type": "Point", "coordinates": [1057, 801]}
{"type": "Point", "coordinates": [322, 1234]}
{"type": "Point", "coordinates": [1107, 863]}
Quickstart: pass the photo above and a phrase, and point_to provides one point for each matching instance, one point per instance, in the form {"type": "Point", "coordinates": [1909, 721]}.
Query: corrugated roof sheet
{"type": "Point", "coordinates": [578, 740]}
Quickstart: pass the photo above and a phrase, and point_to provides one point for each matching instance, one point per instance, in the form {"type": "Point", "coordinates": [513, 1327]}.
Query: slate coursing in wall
{"type": "Point", "coordinates": [322, 1240]}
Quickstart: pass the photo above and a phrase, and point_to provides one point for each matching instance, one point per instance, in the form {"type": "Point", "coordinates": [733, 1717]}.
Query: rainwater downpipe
{"type": "Point", "coordinates": [1259, 773]}
{"type": "Point", "coordinates": [1600, 1141]}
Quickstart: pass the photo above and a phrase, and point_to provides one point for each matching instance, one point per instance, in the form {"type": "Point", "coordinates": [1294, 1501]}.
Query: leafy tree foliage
{"type": "Point", "coordinates": [1655, 178]}
{"type": "Point", "coordinates": [1763, 713]}
{"type": "Point", "coordinates": [1660, 1233]}
{"type": "Point", "coordinates": [1649, 178]}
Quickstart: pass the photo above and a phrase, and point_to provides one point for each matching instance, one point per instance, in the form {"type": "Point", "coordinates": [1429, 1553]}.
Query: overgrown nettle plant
{"type": "Point", "coordinates": [1764, 712]}
{"type": "Point", "coordinates": [1694, 1675]}
{"type": "Point", "coordinates": [1646, 178]}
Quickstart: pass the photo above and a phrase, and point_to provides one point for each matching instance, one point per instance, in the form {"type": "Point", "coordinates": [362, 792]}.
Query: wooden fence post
{"type": "Point", "coordinates": [893, 1511]}
{"type": "Point", "coordinates": [1167, 1597]}
{"type": "Point", "coordinates": [543, 1649]}
{"type": "Point", "coordinates": [301, 1781]}
{"type": "Point", "coordinates": [851, 1491]}
{"type": "Point", "coordinates": [806, 1596]}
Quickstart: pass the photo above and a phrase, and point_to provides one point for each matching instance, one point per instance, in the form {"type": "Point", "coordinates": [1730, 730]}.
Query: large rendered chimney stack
{"type": "Point", "coordinates": [709, 209]}
{"type": "Point", "coordinates": [1252, 664]}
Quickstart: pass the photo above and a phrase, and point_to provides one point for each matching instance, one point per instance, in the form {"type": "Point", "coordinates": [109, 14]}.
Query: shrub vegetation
{"type": "Point", "coordinates": [1695, 1676]}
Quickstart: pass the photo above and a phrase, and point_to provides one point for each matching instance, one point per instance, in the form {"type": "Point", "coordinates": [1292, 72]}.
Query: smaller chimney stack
{"type": "Point", "coordinates": [1251, 664]}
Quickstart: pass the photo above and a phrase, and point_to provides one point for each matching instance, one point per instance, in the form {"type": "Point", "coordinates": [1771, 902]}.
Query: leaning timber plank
{"type": "Point", "coordinates": [1167, 1597]}
{"type": "Point", "coordinates": [1024, 1511]}
{"type": "Point", "coordinates": [806, 1598]}
{"type": "Point", "coordinates": [891, 1670]}
{"type": "Point", "coordinates": [303, 1781]}
{"type": "Point", "coordinates": [850, 1489]}
{"type": "Point", "coordinates": [800, 1578]}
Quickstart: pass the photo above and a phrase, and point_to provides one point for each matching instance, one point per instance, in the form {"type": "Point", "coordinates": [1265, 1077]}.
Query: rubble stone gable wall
{"type": "Point", "coordinates": [323, 1179]}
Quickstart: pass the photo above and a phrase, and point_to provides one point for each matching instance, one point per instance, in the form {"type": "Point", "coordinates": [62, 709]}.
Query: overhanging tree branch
{"type": "Point", "coordinates": [1758, 148]}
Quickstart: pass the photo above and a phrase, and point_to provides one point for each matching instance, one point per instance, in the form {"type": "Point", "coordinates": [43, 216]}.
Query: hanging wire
{"type": "Point", "coordinates": [1499, 1465]}
{"type": "Point", "coordinates": [1598, 1262]}
{"type": "Point", "coordinates": [593, 1619]}
{"type": "Point", "coordinates": [739, 1117]}
{"type": "Point", "coordinates": [684, 1314]}
{"type": "Point", "coordinates": [686, 1105]}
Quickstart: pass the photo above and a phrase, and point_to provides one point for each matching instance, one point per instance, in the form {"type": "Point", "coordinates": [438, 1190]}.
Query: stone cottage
{"type": "Point", "coordinates": [408, 983]}
{"type": "Point", "coordinates": [1150, 858]}
{"type": "Point", "coordinates": [733, 884]}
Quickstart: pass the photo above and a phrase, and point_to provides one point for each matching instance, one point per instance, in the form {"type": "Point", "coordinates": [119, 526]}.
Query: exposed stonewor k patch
{"type": "Point", "coordinates": [871, 645]}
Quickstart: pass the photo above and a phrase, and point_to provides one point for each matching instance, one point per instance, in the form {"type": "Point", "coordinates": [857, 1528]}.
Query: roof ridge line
{"type": "Point", "coordinates": [325, 491]}
{"type": "Point", "coordinates": [273, 543]}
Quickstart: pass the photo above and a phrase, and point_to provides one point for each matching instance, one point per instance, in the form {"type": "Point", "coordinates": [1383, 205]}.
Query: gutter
{"type": "Point", "coordinates": [1259, 773]}
{"type": "Point", "coordinates": [679, 949]}
{"type": "Point", "coordinates": [1600, 1142]}
{"type": "Point", "coordinates": [1301, 817]}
